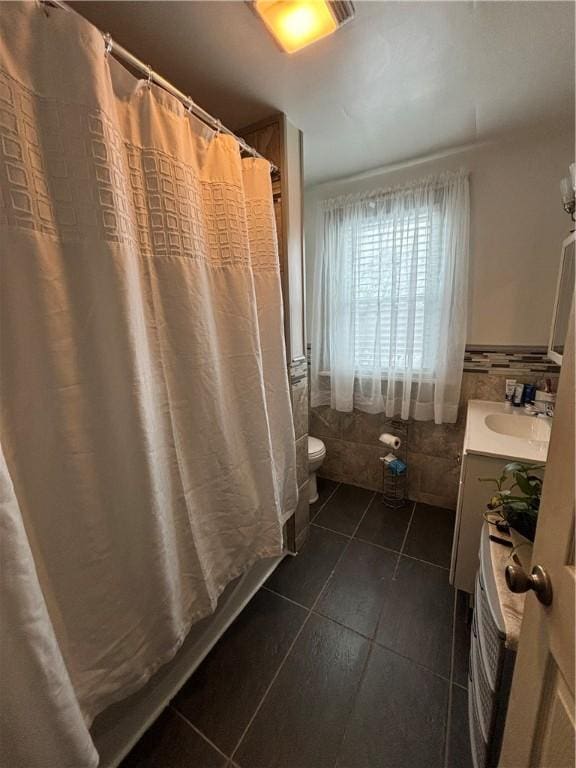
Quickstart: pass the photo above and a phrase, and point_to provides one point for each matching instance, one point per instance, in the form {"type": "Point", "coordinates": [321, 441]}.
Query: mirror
{"type": "Point", "coordinates": [563, 301]}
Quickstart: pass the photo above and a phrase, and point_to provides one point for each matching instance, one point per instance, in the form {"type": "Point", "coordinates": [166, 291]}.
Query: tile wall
{"type": "Point", "coordinates": [353, 450]}
{"type": "Point", "coordinates": [299, 392]}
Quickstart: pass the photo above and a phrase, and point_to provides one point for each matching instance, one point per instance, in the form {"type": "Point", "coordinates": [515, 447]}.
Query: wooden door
{"type": "Point", "coordinates": [539, 730]}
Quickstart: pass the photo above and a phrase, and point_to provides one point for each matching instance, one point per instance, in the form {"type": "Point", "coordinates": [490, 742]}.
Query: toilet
{"type": "Point", "coordinates": [316, 453]}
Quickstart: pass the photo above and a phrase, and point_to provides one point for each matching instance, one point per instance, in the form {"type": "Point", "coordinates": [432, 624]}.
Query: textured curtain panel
{"type": "Point", "coordinates": [145, 412]}
{"type": "Point", "coordinates": [390, 297]}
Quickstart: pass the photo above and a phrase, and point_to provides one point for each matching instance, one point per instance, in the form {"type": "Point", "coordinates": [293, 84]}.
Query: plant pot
{"type": "Point", "coordinates": [522, 549]}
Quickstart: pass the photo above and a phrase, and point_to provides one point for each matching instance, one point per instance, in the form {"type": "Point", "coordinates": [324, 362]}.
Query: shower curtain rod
{"type": "Point", "coordinates": [111, 46]}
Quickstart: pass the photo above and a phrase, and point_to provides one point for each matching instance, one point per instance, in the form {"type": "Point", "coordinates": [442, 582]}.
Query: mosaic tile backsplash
{"type": "Point", "coordinates": [509, 360]}
{"type": "Point", "coordinates": [504, 360]}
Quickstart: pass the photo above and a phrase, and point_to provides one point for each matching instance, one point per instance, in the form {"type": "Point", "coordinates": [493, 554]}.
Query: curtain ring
{"type": "Point", "coordinates": [107, 44]}
{"type": "Point", "coordinates": [190, 104]}
{"type": "Point", "coordinates": [149, 83]}
{"type": "Point", "coordinates": [218, 127]}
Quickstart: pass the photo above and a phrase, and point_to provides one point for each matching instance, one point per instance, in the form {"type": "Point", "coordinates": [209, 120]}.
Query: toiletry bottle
{"type": "Point", "coordinates": [510, 386]}
{"type": "Point", "coordinates": [518, 395]}
{"type": "Point", "coordinates": [529, 393]}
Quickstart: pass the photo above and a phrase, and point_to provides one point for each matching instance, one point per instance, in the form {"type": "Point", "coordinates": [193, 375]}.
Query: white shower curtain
{"type": "Point", "coordinates": [147, 442]}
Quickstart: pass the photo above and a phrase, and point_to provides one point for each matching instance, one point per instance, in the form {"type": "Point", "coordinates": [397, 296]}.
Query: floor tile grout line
{"type": "Point", "coordinates": [341, 624]}
{"type": "Point", "coordinates": [354, 698]}
{"type": "Point", "coordinates": [288, 599]}
{"type": "Point", "coordinates": [405, 539]}
{"type": "Point", "coordinates": [312, 611]}
{"type": "Point", "coordinates": [381, 612]}
{"type": "Point", "coordinates": [324, 528]}
{"type": "Point", "coordinates": [370, 638]}
{"type": "Point", "coordinates": [198, 731]}
{"type": "Point", "coordinates": [368, 505]}
{"type": "Point", "coordinates": [270, 684]}
{"type": "Point", "coordinates": [288, 652]}
{"type": "Point", "coordinates": [326, 502]}
{"type": "Point", "coordinates": [230, 763]}
{"type": "Point", "coordinates": [453, 649]}
{"type": "Point", "coordinates": [407, 658]}
{"type": "Point", "coordinates": [381, 546]}
{"type": "Point", "coordinates": [448, 728]}
{"type": "Point", "coordinates": [335, 566]}
{"type": "Point", "coordinates": [377, 623]}
{"type": "Point", "coordinates": [352, 535]}
{"type": "Point", "coordinates": [449, 713]}
{"type": "Point", "coordinates": [321, 507]}
{"type": "Point", "coordinates": [425, 562]}
{"type": "Point", "coordinates": [396, 569]}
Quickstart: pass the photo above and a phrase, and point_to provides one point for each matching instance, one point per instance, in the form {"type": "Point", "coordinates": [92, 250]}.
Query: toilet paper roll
{"type": "Point", "coordinates": [391, 440]}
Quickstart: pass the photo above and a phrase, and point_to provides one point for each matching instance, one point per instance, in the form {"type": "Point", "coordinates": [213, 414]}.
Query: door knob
{"type": "Point", "coordinates": [539, 582]}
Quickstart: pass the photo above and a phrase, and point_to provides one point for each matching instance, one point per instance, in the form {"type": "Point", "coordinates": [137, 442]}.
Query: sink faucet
{"type": "Point", "coordinates": [532, 410]}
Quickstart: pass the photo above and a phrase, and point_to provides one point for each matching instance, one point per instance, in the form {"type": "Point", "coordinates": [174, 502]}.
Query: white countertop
{"type": "Point", "coordinates": [482, 440]}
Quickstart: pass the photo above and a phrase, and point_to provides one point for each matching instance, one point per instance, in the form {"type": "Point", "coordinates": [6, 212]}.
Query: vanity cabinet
{"type": "Point", "coordinates": [486, 452]}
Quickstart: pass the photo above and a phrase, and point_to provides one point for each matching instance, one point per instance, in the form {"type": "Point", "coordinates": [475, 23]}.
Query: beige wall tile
{"type": "Point", "coordinates": [488, 386]}
{"type": "Point", "coordinates": [299, 395]}
{"type": "Point", "coordinates": [324, 422]}
{"type": "Point", "coordinates": [442, 440]}
{"type": "Point", "coordinates": [440, 478]}
{"type": "Point", "coordinates": [436, 501]}
{"type": "Point", "coordinates": [353, 449]}
{"type": "Point", "coordinates": [302, 460]}
{"type": "Point", "coordinates": [302, 515]}
{"type": "Point", "coordinates": [414, 478]}
{"type": "Point", "coordinates": [333, 465]}
{"type": "Point", "coordinates": [353, 463]}
{"type": "Point", "coordinates": [360, 427]}
{"type": "Point", "coordinates": [363, 465]}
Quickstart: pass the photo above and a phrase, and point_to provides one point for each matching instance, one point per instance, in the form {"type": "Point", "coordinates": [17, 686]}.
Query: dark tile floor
{"type": "Point", "coordinates": [353, 655]}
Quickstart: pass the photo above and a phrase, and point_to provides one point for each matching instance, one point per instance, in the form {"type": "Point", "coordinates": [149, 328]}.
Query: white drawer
{"type": "Point", "coordinates": [490, 640]}
{"type": "Point", "coordinates": [478, 746]}
{"type": "Point", "coordinates": [485, 696]}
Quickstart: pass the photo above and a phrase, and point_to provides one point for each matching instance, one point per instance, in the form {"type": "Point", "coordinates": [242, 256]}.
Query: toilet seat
{"type": "Point", "coordinates": [316, 448]}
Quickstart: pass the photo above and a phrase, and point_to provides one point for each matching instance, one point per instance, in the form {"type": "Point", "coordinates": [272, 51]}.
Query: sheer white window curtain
{"type": "Point", "coordinates": [390, 300]}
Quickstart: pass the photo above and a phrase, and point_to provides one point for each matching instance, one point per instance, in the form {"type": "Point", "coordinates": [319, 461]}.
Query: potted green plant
{"type": "Point", "coordinates": [517, 501]}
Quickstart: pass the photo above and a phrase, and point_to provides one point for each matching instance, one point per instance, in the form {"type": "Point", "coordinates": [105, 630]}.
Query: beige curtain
{"type": "Point", "coordinates": [145, 413]}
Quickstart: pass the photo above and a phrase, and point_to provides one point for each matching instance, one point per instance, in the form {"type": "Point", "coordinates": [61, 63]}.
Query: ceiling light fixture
{"type": "Point", "coordinates": [294, 24]}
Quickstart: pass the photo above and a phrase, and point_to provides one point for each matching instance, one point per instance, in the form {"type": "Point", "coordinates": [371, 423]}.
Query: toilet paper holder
{"type": "Point", "coordinates": [394, 486]}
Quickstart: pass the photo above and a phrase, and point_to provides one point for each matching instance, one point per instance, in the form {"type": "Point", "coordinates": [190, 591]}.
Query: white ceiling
{"type": "Point", "coordinates": [401, 80]}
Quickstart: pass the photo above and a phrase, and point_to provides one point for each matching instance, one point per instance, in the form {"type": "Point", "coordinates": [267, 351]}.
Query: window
{"type": "Point", "coordinates": [390, 299]}
{"type": "Point", "coordinates": [396, 290]}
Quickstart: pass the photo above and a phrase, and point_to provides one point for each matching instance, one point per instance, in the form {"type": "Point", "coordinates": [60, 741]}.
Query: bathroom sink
{"type": "Point", "coordinates": [526, 427]}
{"type": "Point", "coordinates": [499, 430]}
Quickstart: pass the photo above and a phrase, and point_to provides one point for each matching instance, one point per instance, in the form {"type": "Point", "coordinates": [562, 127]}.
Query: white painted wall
{"type": "Point", "coordinates": [516, 228]}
